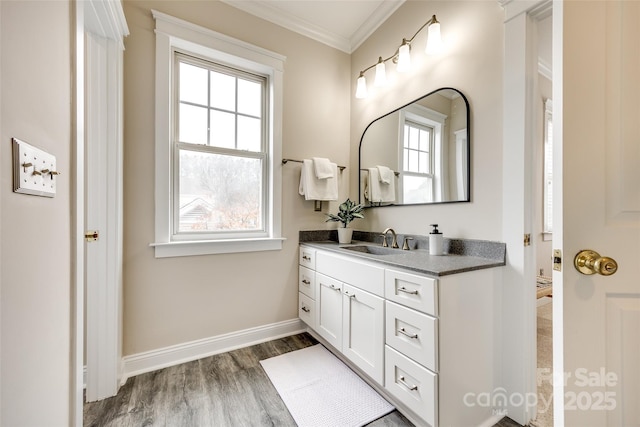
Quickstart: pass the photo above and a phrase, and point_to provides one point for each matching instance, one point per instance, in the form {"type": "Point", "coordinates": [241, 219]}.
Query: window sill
{"type": "Point", "coordinates": [211, 247]}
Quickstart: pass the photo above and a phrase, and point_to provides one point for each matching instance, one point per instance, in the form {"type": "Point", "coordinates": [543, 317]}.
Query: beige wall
{"type": "Point", "coordinates": [35, 247]}
{"type": "Point", "coordinates": [175, 300]}
{"type": "Point", "coordinates": [473, 63]}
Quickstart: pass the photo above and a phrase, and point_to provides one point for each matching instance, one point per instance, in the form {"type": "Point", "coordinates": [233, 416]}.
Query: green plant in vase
{"type": "Point", "coordinates": [347, 212]}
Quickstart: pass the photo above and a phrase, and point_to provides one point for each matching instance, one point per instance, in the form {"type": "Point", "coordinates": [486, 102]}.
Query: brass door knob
{"type": "Point", "coordinates": [590, 262]}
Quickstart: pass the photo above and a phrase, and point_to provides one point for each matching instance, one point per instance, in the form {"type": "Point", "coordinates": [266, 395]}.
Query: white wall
{"type": "Point", "coordinates": [472, 63]}
{"type": "Point", "coordinates": [35, 281]}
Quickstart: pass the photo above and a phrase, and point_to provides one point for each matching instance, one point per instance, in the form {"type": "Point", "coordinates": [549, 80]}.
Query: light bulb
{"type": "Point", "coordinates": [404, 57]}
{"type": "Point", "coordinates": [361, 87]}
{"type": "Point", "coordinates": [434, 39]}
{"type": "Point", "coordinates": [381, 74]}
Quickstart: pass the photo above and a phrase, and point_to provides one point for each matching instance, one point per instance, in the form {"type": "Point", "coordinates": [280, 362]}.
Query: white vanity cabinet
{"type": "Point", "coordinates": [429, 343]}
{"type": "Point", "coordinates": [349, 315]}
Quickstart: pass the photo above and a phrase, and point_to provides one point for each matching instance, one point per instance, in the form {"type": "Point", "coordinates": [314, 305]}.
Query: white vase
{"type": "Point", "coordinates": [344, 235]}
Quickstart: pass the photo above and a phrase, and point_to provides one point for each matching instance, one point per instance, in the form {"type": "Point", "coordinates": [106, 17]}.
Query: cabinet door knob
{"type": "Point", "coordinates": [305, 309]}
{"type": "Point", "coordinates": [410, 387]}
{"type": "Point", "coordinates": [407, 291]}
{"type": "Point", "coordinates": [306, 282]}
{"type": "Point", "coordinates": [349, 295]}
{"type": "Point", "coordinates": [405, 333]}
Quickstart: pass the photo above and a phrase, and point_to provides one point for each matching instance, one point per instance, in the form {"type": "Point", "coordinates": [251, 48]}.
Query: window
{"type": "Point", "coordinates": [548, 171]}
{"type": "Point", "coordinates": [421, 155]}
{"type": "Point", "coordinates": [218, 133]}
{"type": "Point", "coordinates": [220, 150]}
{"type": "Point", "coordinates": [417, 163]}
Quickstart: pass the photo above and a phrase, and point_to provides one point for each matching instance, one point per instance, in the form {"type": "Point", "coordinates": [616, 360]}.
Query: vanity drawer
{"type": "Point", "coordinates": [365, 276]}
{"type": "Point", "coordinates": [413, 333]}
{"type": "Point", "coordinates": [306, 310]}
{"type": "Point", "coordinates": [412, 290]}
{"type": "Point", "coordinates": [412, 384]}
{"type": "Point", "coordinates": [307, 282]}
{"type": "Point", "coordinates": [307, 257]}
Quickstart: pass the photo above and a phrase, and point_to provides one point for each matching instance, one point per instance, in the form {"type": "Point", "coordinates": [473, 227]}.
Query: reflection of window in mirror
{"type": "Point", "coordinates": [548, 171]}
{"type": "Point", "coordinates": [421, 132]}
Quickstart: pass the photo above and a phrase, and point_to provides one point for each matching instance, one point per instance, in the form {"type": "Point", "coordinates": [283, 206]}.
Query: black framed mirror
{"type": "Point", "coordinates": [418, 153]}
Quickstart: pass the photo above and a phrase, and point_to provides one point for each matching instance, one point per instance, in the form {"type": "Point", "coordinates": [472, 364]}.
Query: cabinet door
{"type": "Point", "coordinates": [363, 331]}
{"type": "Point", "coordinates": [329, 310]}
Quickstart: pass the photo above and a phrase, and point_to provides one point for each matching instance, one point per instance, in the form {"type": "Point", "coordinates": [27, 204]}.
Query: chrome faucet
{"type": "Point", "coordinates": [394, 242]}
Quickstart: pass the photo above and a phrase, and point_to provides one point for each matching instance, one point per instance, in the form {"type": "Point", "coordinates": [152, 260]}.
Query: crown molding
{"type": "Point", "coordinates": [291, 22]}
{"type": "Point", "coordinates": [377, 18]}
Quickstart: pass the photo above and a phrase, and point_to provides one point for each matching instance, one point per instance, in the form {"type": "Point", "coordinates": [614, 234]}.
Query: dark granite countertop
{"type": "Point", "coordinates": [460, 254]}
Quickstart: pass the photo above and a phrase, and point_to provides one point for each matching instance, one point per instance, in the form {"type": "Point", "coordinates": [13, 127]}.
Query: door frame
{"type": "Point", "coordinates": [102, 18]}
{"type": "Point", "coordinates": [519, 355]}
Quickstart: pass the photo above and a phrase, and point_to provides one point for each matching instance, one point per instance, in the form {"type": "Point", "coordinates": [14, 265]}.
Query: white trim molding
{"type": "Point", "coordinates": [172, 33]}
{"type": "Point", "coordinates": [153, 360]}
{"type": "Point", "coordinates": [279, 16]}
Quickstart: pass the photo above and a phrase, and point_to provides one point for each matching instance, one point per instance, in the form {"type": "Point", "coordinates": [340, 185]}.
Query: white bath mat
{"type": "Point", "coordinates": [320, 390]}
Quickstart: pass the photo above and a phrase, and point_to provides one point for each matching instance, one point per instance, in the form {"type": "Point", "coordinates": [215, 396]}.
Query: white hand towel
{"type": "Point", "coordinates": [386, 174]}
{"type": "Point", "coordinates": [323, 168]}
{"type": "Point", "coordinates": [313, 188]}
{"type": "Point", "coordinates": [376, 192]}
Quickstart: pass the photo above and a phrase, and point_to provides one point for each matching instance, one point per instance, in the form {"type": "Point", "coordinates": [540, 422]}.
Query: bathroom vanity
{"type": "Point", "coordinates": [421, 329]}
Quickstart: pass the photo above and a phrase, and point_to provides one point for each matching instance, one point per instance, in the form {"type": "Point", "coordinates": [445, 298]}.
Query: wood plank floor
{"type": "Point", "coordinates": [225, 390]}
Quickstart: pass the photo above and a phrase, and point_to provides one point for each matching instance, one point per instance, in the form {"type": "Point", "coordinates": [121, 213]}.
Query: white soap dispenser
{"type": "Point", "coordinates": [435, 241]}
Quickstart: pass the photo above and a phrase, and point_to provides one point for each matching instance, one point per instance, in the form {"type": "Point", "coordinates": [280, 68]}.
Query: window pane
{"type": "Point", "coordinates": [413, 138]}
{"type": "Point", "coordinates": [424, 162]}
{"type": "Point", "coordinates": [249, 98]}
{"type": "Point", "coordinates": [417, 189]}
{"type": "Point", "coordinates": [424, 140]}
{"type": "Point", "coordinates": [249, 134]}
{"type": "Point", "coordinates": [193, 84]}
{"type": "Point", "coordinates": [413, 161]}
{"type": "Point", "coordinates": [223, 129]}
{"type": "Point", "coordinates": [223, 91]}
{"type": "Point", "coordinates": [219, 193]}
{"type": "Point", "coordinates": [192, 126]}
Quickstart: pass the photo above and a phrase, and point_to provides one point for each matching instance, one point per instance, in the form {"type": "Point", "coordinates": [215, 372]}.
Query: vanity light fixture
{"type": "Point", "coordinates": [401, 57]}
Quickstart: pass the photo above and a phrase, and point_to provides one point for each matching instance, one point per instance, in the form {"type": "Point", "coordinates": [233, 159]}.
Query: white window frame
{"type": "Point", "coordinates": [432, 119]}
{"type": "Point", "coordinates": [175, 34]}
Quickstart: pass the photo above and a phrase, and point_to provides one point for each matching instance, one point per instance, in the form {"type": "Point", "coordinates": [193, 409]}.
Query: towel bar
{"type": "Point", "coordinates": [284, 162]}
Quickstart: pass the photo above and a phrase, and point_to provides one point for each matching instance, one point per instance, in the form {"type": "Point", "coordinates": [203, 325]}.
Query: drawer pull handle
{"type": "Point", "coordinates": [334, 287]}
{"type": "Point", "coordinates": [306, 282]}
{"type": "Point", "coordinates": [407, 291]}
{"type": "Point", "coordinates": [305, 309]}
{"type": "Point", "coordinates": [410, 387]}
{"type": "Point", "coordinates": [403, 332]}
{"type": "Point", "coordinates": [349, 295]}
{"type": "Point", "coordinates": [306, 258]}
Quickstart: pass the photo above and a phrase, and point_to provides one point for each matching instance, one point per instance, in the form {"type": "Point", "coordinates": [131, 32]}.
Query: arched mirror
{"type": "Point", "coordinates": [418, 154]}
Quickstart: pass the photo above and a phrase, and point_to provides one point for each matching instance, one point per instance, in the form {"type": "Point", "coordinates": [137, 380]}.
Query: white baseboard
{"type": "Point", "coordinates": [153, 360]}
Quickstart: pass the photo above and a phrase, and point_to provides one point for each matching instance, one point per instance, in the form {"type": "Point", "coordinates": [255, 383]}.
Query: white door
{"type": "Point", "coordinates": [103, 201]}
{"type": "Point", "coordinates": [363, 330]}
{"type": "Point", "coordinates": [597, 317]}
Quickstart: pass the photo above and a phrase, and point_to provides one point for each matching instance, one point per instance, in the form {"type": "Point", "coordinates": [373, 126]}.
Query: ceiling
{"type": "Point", "coordinates": [342, 24]}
